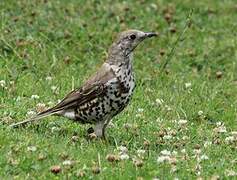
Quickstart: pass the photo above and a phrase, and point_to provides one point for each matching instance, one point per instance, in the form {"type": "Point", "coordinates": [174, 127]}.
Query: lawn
{"type": "Point", "coordinates": [181, 122]}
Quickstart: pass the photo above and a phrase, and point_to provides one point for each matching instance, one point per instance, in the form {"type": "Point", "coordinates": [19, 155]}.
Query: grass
{"type": "Point", "coordinates": [68, 40]}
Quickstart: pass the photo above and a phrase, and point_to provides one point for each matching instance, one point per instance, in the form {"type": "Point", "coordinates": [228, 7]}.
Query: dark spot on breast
{"type": "Point", "coordinates": [118, 70]}
{"type": "Point", "coordinates": [110, 102]}
{"type": "Point", "coordinates": [112, 108]}
{"type": "Point", "coordinates": [100, 116]}
{"type": "Point", "coordinates": [117, 102]}
{"type": "Point", "coordinates": [123, 97]}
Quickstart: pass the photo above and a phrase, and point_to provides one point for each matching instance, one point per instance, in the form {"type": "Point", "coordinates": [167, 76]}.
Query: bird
{"type": "Point", "coordinates": [106, 93]}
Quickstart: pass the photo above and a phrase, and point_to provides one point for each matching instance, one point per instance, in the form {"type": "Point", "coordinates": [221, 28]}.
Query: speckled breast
{"type": "Point", "coordinates": [110, 103]}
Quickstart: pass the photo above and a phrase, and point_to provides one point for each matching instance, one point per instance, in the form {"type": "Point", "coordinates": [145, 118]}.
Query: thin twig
{"type": "Point", "coordinates": [170, 55]}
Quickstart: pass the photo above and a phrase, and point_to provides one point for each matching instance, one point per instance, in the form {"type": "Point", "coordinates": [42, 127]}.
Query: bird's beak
{"type": "Point", "coordinates": [150, 34]}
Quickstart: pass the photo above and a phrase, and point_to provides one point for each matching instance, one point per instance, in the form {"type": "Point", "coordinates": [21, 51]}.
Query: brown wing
{"type": "Point", "coordinates": [93, 88]}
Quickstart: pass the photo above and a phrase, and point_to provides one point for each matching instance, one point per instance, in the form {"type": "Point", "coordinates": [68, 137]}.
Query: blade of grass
{"type": "Point", "coordinates": [172, 51]}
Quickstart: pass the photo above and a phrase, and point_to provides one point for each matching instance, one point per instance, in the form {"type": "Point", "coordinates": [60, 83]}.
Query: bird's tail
{"type": "Point", "coordinates": [39, 116]}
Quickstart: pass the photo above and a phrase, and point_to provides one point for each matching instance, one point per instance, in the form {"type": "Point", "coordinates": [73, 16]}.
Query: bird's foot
{"type": "Point", "coordinates": [91, 134]}
{"type": "Point", "coordinates": [90, 130]}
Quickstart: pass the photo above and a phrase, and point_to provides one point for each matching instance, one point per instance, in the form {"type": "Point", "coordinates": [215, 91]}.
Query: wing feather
{"type": "Point", "coordinates": [92, 89]}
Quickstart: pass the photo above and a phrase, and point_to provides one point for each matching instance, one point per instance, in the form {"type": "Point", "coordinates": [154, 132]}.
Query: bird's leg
{"type": "Point", "coordinates": [103, 132]}
{"type": "Point", "coordinates": [99, 129]}
{"type": "Point", "coordinates": [104, 127]}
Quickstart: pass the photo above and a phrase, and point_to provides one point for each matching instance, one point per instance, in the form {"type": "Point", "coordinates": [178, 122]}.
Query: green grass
{"type": "Point", "coordinates": [68, 40]}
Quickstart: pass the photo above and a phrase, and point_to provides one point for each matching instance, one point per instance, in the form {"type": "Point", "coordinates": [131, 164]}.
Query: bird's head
{"type": "Point", "coordinates": [128, 40]}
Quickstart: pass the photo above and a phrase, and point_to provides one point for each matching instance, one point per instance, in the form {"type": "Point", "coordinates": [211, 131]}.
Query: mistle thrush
{"type": "Point", "coordinates": [107, 92]}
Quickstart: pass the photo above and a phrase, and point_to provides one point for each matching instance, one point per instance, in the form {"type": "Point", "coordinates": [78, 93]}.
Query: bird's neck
{"type": "Point", "coordinates": [122, 67]}
{"type": "Point", "coordinates": [119, 56]}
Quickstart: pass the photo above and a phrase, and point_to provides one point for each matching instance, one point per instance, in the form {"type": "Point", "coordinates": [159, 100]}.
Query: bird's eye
{"type": "Point", "coordinates": [133, 36]}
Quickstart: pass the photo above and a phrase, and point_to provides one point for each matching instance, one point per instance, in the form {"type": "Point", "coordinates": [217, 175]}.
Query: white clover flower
{"type": "Point", "coordinates": [219, 123]}
{"type": "Point", "coordinates": [159, 120]}
{"type": "Point", "coordinates": [111, 125]}
{"type": "Point", "coordinates": [185, 138]}
{"type": "Point", "coordinates": [230, 172]}
{"type": "Point", "coordinates": [31, 148]}
{"type": "Point", "coordinates": [127, 125]}
{"type": "Point", "coordinates": [165, 152]}
{"type": "Point", "coordinates": [55, 89]}
{"type": "Point", "coordinates": [168, 108]}
{"type": "Point", "coordinates": [140, 152]}
{"type": "Point", "coordinates": [230, 139]}
{"type": "Point", "coordinates": [34, 96]}
{"type": "Point", "coordinates": [154, 6]}
{"type": "Point", "coordinates": [220, 129]}
{"type": "Point", "coordinates": [162, 159]}
{"type": "Point", "coordinates": [204, 157]}
{"type": "Point", "coordinates": [159, 102]}
{"type": "Point", "coordinates": [200, 113]}
{"type": "Point", "coordinates": [167, 137]}
{"type": "Point", "coordinates": [207, 143]}
{"type": "Point", "coordinates": [174, 153]}
{"type": "Point", "coordinates": [123, 149]}
{"type": "Point", "coordinates": [31, 113]}
{"type": "Point", "coordinates": [140, 110]}
{"type": "Point", "coordinates": [2, 83]}
{"type": "Point", "coordinates": [41, 105]}
{"type": "Point", "coordinates": [198, 167]}
{"type": "Point", "coordinates": [197, 151]}
{"type": "Point", "coordinates": [67, 163]}
{"type": "Point", "coordinates": [173, 169]}
{"type": "Point", "coordinates": [48, 78]}
{"type": "Point", "coordinates": [166, 157]}
{"type": "Point", "coordinates": [54, 129]}
{"type": "Point", "coordinates": [138, 115]}
{"type": "Point", "coordinates": [234, 133]}
{"type": "Point", "coordinates": [124, 156]}
{"type": "Point", "coordinates": [188, 85]}
{"type": "Point", "coordinates": [174, 121]}
{"type": "Point", "coordinates": [182, 122]}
